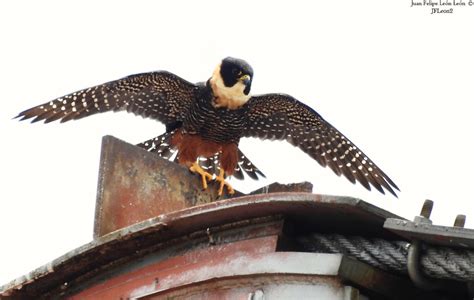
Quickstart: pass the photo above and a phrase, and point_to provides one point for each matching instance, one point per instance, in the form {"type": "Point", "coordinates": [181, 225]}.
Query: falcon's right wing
{"type": "Point", "coordinates": [158, 95]}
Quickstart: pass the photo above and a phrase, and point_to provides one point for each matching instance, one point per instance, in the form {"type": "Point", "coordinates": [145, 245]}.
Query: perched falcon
{"type": "Point", "coordinates": [205, 121]}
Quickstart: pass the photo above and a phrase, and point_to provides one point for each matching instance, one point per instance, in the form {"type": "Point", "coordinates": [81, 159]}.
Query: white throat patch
{"type": "Point", "coordinates": [230, 97]}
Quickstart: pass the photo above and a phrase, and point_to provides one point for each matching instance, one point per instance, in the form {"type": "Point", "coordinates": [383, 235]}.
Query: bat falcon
{"type": "Point", "coordinates": [205, 122]}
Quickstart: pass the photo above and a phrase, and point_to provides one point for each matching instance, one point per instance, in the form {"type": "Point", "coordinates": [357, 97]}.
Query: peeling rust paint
{"type": "Point", "coordinates": [135, 185]}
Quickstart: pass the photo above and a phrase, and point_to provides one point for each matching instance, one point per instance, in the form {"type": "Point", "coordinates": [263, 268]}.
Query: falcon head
{"type": "Point", "coordinates": [231, 82]}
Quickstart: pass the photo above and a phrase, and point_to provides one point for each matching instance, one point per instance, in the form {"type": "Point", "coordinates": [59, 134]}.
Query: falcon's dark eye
{"type": "Point", "coordinates": [235, 71]}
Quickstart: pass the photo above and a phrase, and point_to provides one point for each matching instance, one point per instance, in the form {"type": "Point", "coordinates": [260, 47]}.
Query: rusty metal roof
{"type": "Point", "coordinates": [308, 211]}
{"type": "Point", "coordinates": [150, 219]}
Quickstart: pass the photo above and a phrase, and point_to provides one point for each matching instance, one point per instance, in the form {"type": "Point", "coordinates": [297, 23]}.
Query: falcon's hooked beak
{"type": "Point", "coordinates": [245, 79]}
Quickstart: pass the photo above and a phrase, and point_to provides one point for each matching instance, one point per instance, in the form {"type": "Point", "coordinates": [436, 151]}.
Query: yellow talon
{"type": "Point", "coordinates": [222, 182]}
{"type": "Point", "coordinates": [196, 168]}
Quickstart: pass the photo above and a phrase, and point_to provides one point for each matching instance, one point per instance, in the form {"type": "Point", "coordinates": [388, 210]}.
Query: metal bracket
{"type": "Point", "coordinates": [422, 231]}
{"type": "Point", "coordinates": [414, 250]}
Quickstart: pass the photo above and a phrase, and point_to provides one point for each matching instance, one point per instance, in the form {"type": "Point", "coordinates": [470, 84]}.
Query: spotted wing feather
{"type": "Point", "coordinates": [282, 117]}
{"type": "Point", "coordinates": [158, 95]}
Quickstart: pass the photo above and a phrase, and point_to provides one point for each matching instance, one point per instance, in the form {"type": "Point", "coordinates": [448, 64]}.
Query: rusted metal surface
{"type": "Point", "coordinates": [432, 234]}
{"type": "Point", "coordinates": [76, 268]}
{"type": "Point", "coordinates": [135, 185]}
{"type": "Point", "coordinates": [303, 187]}
{"type": "Point", "coordinates": [249, 258]}
{"type": "Point", "coordinates": [260, 287]}
{"type": "Point", "coordinates": [155, 230]}
{"type": "Point", "coordinates": [306, 211]}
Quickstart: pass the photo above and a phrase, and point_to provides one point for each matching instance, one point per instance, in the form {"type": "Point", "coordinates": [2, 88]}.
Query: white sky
{"type": "Point", "coordinates": [395, 80]}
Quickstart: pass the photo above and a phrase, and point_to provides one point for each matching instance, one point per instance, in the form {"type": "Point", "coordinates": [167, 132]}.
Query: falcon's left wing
{"type": "Point", "coordinates": [282, 117]}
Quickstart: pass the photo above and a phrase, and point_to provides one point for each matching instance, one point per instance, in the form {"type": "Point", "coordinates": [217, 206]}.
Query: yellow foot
{"type": "Point", "coordinates": [222, 182]}
{"type": "Point", "coordinates": [205, 176]}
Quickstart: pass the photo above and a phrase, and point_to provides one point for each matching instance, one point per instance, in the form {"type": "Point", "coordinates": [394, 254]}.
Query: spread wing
{"type": "Point", "coordinates": [282, 117]}
{"type": "Point", "coordinates": [159, 95]}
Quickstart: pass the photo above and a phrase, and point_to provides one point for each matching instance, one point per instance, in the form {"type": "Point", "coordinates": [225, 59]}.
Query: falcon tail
{"type": "Point", "coordinates": [161, 145]}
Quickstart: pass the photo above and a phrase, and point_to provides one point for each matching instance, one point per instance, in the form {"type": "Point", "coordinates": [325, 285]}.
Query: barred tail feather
{"type": "Point", "coordinates": [161, 145]}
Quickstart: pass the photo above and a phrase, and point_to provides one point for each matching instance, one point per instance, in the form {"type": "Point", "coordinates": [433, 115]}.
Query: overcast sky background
{"type": "Point", "coordinates": [394, 79]}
